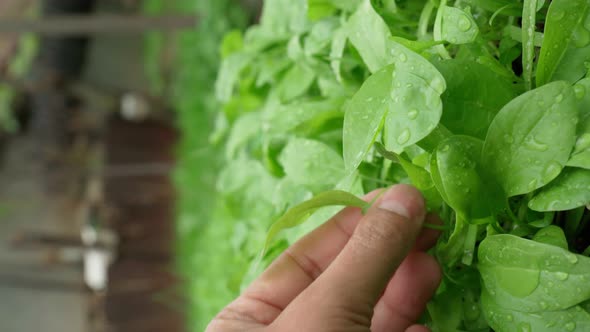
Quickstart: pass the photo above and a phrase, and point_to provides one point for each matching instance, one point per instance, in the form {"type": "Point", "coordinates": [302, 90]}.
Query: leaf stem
{"type": "Point", "coordinates": [442, 51]}
{"type": "Point", "coordinates": [425, 19]}
{"type": "Point", "coordinates": [529, 17]}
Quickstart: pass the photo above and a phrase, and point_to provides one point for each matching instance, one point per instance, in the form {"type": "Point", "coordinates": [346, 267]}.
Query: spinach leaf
{"type": "Point", "coordinates": [337, 51]}
{"type": "Point", "coordinates": [312, 163]}
{"type": "Point", "coordinates": [569, 191]}
{"type": "Point", "coordinates": [415, 105]}
{"type": "Point", "coordinates": [502, 319]}
{"type": "Point", "coordinates": [458, 26]}
{"type": "Point", "coordinates": [581, 155]}
{"type": "Point", "coordinates": [369, 34]}
{"type": "Point", "coordinates": [460, 178]}
{"type": "Point", "coordinates": [297, 214]}
{"type": "Point", "coordinates": [229, 73]}
{"type": "Point", "coordinates": [364, 116]}
{"type": "Point", "coordinates": [532, 137]}
{"type": "Point", "coordinates": [296, 82]}
{"type": "Point", "coordinates": [502, 7]}
{"type": "Point", "coordinates": [529, 276]}
{"type": "Point", "coordinates": [273, 18]}
{"type": "Point", "coordinates": [552, 235]}
{"type": "Point", "coordinates": [474, 95]}
{"type": "Point", "coordinates": [281, 119]}
{"type": "Point", "coordinates": [403, 97]}
{"type": "Point", "coordinates": [565, 18]}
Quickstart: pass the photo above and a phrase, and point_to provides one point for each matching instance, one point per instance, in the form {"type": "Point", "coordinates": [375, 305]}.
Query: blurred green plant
{"type": "Point", "coordinates": [205, 256]}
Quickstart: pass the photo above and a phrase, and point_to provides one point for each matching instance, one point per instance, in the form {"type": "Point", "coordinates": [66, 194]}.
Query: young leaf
{"type": "Point", "coordinates": [369, 34]}
{"type": "Point", "coordinates": [415, 99]}
{"type": "Point", "coordinates": [364, 117]}
{"type": "Point", "coordinates": [337, 51]}
{"type": "Point", "coordinates": [299, 213]}
{"type": "Point", "coordinates": [569, 191]}
{"type": "Point", "coordinates": [460, 178]}
{"type": "Point", "coordinates": [229, 73]}
{"type": "Point", "coordinates": [502, 319]}
{"type": "Point", "coordinates": [529, 276]}
{"type": "Point", "coordinates": [284, 16]}
{"type": "Point", "coordinates": [474, 95]}
{"type": "Point", "coordinates": [285, 118]}
{"type": "Point", "coordinates": [320, 36]}
{"type": "Point", "coordinates": [532, 137]}
{"type": "Point", "coordinates": [458, 26]}
{"type": "Point", "coordinates": [564, 19]}
{"type": "Point", "coordinates": [296, 82]}
{"type": "Point", "coordinates": [552, 235]}
{"type": "Point", "coordinates": [312, 163]}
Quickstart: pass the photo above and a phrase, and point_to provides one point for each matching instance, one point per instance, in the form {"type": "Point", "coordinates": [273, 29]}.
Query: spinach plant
{"type": "Point", "coordinates": [483, 105]}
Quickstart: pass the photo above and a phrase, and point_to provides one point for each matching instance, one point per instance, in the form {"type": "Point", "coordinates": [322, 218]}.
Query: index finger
{"type": "Point", "coordinates": [295, 269]}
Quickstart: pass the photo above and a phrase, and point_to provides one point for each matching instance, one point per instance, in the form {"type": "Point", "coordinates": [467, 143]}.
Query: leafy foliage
{"type": "Point", "coordinates": [358, 94]}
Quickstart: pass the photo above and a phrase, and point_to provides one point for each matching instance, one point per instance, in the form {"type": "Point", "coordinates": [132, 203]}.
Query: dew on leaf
{"type": "Point", "coordinates": [404, 137]}
{"type": "Point", "coordinates": [551, 171]}
{"type": "Point", "coordinates": [580, 91]}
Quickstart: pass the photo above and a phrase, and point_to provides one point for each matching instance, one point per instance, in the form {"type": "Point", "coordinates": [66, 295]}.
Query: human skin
{"type": "Point", "coordinates": [353, 273]}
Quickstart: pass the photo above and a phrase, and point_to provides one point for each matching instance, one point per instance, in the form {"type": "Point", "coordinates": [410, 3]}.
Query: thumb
{"type": "Point", "coordinates": [380, 242]}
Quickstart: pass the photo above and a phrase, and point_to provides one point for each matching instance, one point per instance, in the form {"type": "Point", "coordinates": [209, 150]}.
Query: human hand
{"type": "Point", "coordinates": [353, 273]}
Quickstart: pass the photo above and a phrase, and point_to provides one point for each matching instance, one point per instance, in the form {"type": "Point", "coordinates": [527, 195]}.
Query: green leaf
{"type": "Point", "coordinates": [581, 155]}
{"type": "Point", "coordinates": [284, 16]}
{"type": "Point", "coordinates": [461, 179]}
{"type": "Point", "coordinates": [531, 138]}
{"type": "Point", "coordinates": [337, 51]}
{"type": "Point", "coordinates": [312, 163]}
{"type": "Point", "coordinates": [369, 34]}
{"type": "Point", "coordinates": [407, 93]}
{"type": "Point", "coordinates": [474, 95]}
{"type": "Point", "coordinates": [364, 117]}
{"type": "Point", "coordinates": [229, 73]}
{"type": "Point", "coordinates": [296, 82]}
{"type": "Point", "coordinates": [245, 128]}
{"type": "Point", "coordinates": [301, 212]}
{"type": "Point", "coordinates": [503, 7]}
{"type": "Point", "coordinates": [565, 18]}
{"type": "Point", "coordinates": [415, 105]}
{"type": "Point", "coordinates": [552, 235]}
{"type": "Point", "coordinates": [458, 26]}
{"type": "Point", "coordinates": [569, 191]}
{"type": "Point", "coordinates": [320, 36]}
{"type": "Point", "coordinates": [502, 319]}
{"type": "Point", "coordinates": [284, 118]}
{"type": "Point", "coordinates": [531, 277]}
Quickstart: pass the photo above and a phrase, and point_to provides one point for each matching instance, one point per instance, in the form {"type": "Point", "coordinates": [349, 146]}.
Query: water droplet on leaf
{"type": "Point", "coordinates": [533, 144]}
{"type": "Point", "coordinates": [524, 327]}
{"type": "Point", "coordinates": [559, 98]}
{"type": "Point", "coordinates": [551, 171]}
{"type": "Point", "coordinates": [413, 114]}
{"type": "Point", "coordinates": [561, 275]}
{"type": "Point", "coordinates": [404, 137]}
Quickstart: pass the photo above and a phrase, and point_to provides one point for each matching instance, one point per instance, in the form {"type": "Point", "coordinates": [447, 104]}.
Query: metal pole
{"type": "Point", "coordinates": [84, 25]}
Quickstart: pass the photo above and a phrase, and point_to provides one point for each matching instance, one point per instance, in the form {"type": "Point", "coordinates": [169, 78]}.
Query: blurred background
{"type": "Point", "coordinates": [106, 108]}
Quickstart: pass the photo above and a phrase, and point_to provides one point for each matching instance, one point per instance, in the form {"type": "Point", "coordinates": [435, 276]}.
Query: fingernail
{"type": "Point", "coordinates": [405, 201]}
